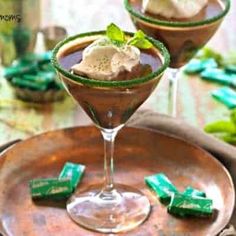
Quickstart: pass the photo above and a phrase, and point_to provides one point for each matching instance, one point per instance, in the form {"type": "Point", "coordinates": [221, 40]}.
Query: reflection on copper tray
{"type": "Point", "coordinates": [139, 153]}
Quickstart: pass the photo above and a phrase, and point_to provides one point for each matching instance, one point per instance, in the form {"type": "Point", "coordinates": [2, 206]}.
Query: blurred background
{"type": "Point", "coordinates": [42, 23]}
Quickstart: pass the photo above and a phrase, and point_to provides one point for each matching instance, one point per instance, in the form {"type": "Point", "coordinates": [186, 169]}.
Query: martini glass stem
{"type": "Point", "coordinates": [109, 136]}
{"type": "Point", "coordinates": [172, 94]}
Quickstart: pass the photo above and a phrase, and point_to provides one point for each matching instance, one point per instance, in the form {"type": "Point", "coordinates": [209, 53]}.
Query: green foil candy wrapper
{"type": "Point", "coordinates": [192, 192]}
{"type": "Point", "coordinates": [33, 72]}
{"type": "Point", "coordinates": [72, 171]}
{"type": "Point", "coordinates": [162, 186]}
{"type": "Point", "coordinates": [53, 188]}
{"type": "Point", "coordinates": [230, 69]}
{"type": "Point", "coordinates": [219, 76]}
{"type": "Point", "coordinates": [183, 205]}
{"type": "Point", "coordinates": [19, 70]}
{"type": "Point", "coordinates": [226, 96]}
{"type": "Point", "coordinates": [196, 66]}
{"type": "Point", "coordinates": [19, 82]}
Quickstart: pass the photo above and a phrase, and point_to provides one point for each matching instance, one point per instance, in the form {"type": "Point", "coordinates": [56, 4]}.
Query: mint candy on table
{"type": "Point", "coordinates": [196, 66]}
{"type": "Point", "coordinates": [33, 72]}
{"type": "Point", "coordinates": [208, 53]}
{"type": "Point", "coordinates": [226, 96]}
{"type": "Point", "coordinates": [230, 69]}
{"type": "Point", "coordinates": [219, 76]}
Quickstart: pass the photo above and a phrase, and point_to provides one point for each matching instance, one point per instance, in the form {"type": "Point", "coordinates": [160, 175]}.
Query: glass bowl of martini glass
{"type": "Point", "coordinates": [112, 207]}
{"type": "Point", "coordinates": [183, 37]}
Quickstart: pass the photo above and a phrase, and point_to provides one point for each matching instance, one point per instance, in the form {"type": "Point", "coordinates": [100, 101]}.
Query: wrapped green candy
{"type": "Point", "coordinates": [231, 69]}
{"type": "Point", "coordinates": [20, 69]}
{"type": "Point", "coordinates": [44, 57]}
{"type": "Point", "coordinates": [162, 186]}
{"type": "Point", "coordinates": [192, 192]}
{"type": "Point", "coordinates": [40, 77]}
{"type": "Point", "coordinates": [197, 66]}
{"type": "Point", "coordinates": [72, 171]}
{"type": "Point", "coordinates": [226, 96]}
{"type": "Point", "coordinates": [183, 205]}
{"type": "Point", "coordinates": [219, 76]}
{"type": "Point", "coordinates": [54, 189]}
{"type": "Point", "coordinates": [33, 85]}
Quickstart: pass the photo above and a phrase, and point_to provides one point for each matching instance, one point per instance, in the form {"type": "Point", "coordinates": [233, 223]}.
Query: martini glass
{"type": "Point", "coordinates": [112, 207]}
{"type": "Point", "coordinates": [183, 38]}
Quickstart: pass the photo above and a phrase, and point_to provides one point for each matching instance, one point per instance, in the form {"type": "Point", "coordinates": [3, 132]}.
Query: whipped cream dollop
{"type": "Point", "coordinates": [174, 8]}
{"type": "Point", "coordinates": [102, 60]}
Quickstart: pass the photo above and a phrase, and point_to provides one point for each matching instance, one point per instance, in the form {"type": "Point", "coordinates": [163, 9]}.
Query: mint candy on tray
{"type": "Point", "coordinates": [52, 188]}
{"type": "Point", "coordinates": [192, 192]}
{"type": "Point", "coordinates": [162, 186]}
{"type": "Point", "coordinates": [219, 76]}
{"type": "Point", "coordinates": [58, 188]}
{"type": "Point", "coordinates": [192, 202]}
{"type": "Point", "coordinates": [72, 171]}
{"type": "Point", "coordinates": [184, 205]}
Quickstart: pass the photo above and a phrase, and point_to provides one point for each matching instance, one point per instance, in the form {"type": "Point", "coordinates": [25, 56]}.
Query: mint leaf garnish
{"type": "Point", "coordinates": [139, 41]}
{"type": "Point", "coordinates": [117, 37]}
{"type": "Point", "coordinates": [115, 34]}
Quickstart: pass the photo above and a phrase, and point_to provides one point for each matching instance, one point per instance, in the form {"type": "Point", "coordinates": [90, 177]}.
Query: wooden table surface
{"type": "Point", "coordinates": [195, 104]}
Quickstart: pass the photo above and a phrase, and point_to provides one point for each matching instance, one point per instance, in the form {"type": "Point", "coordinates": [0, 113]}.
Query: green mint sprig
{"type": "Point", "coordinates": [139, 40]}
{"type": "Point", "coordinates": [115, 34]}
{"type": "Point", "coordinates": [117, 37]}
{"type": "Point", "coordinates": [224, 129]}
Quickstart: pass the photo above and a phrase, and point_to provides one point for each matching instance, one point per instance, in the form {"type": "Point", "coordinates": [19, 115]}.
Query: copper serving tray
{"type": "Point", "coordinates": [138, 153]}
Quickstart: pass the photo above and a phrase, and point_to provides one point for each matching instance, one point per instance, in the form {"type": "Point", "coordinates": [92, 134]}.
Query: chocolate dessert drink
{"type": "Point", "coordinates": [183, 37]}
{"type": "Point", "coordinates": [111, 105]}
{"type": "Point", "coordinates": [109, 208]}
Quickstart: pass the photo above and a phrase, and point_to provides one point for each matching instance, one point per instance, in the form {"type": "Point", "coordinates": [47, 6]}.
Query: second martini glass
{"type": "Point", "coordinates": [182, 37]}
{"type": "Point", "coordinates": [110, 208]}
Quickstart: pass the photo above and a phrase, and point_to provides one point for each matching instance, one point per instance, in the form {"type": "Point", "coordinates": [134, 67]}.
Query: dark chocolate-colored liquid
{"type": "Point", "coordinates": [149, 62]}
{"type": "Point", "coordinates": [110, 107]}
{"type": "Point", "coordinates": [182, 42]}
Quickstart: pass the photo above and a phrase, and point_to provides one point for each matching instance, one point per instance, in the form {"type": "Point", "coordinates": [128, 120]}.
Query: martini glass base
{"type": "Point", "coordinates": [122, 210]}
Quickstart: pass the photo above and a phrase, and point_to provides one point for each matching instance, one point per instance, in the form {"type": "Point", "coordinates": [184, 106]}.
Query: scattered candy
{"type": "Point", "coordinates": [72, 171]}
{"type": "Point", "coordinates": [183, 205]}
{"type": "Point", "coordinates": [33, 85]}
{"type": "Point", "coordinates": [197, 66]}
{"type": "Point", "coordinates": [50, 188]}
{"type": "Point", "coordinates": [192, 202]}
{"type": "Point", "coordinates": [226, 96]}
{"type": "Point", "coordinates": [19, 69]}
{"type": "Point", "coordinates": [58, 188]}
{"type": "Point", "coordinates": [231, 69]}
{"type": "Point", "coordinates": [34, 72]}
{"type": "Point", "coordinates": [162, 186]}
{"type": "Point", "coordinates": [219, 76]}
{"type": "Point", "coordinates": [192, 192]}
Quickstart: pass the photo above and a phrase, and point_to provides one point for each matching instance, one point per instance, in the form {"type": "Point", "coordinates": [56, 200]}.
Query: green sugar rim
{"type": "Point", "coordinates": [152, 20]}
{"type": "Point", "coordinates": [98, 83]}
